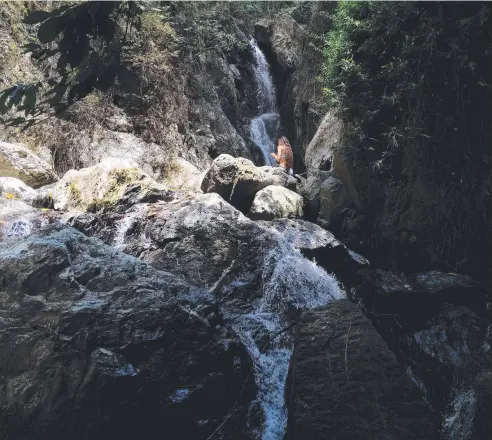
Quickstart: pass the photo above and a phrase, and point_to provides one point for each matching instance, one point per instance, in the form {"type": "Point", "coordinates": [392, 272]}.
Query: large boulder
{"type": "Point", "coordinates": [310, 189]}
{"type": "Point", "coordinates": [201, 238]}
{"type": "Point", "coordinates": [330, 185]}
{"type": "Point", "coordinates": [151, 158]}
{"type": "Point", "coordinates": [345, 383]}
{"type": "Point", "coordinates": [124, 146]}
{"type": "Point", "coordinates": [334, 200]}
{"type": "Point", "coordinates": [321, 153]}
{"type": "Point", "coordinates": [11, 188]}
{"type": "Point", "coordinates": [96, 343]}
{"type": "Point", "coordinates": [237, 180]}
{"type": "Point", "coordinates": [276, 202]}
{"type": "Point", "coordinates": [183, 176]}
{"type": "Point", "coordinates": [18, 161]}
{"type": "Point", "coordinates": [435, 323]}
{"type": "Point", "coordinates": [105, 185]}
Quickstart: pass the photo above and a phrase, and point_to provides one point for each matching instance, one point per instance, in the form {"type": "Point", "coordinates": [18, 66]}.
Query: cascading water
{"type": "Point", "coordinates": [290, 284]}
{"type": "Point", "coordinates": [125, 224]}
{"type": "Point", "coordinates": [458, 421]}
{"type": "Point", "coordinates": [264, 127]}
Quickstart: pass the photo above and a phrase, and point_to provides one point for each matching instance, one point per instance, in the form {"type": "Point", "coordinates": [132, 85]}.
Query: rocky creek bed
{"type": "Point", "coordinates": [130, 308]}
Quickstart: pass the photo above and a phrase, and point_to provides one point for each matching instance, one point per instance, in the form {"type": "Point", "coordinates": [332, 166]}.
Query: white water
{"type": "Point", "coordinates": [264, 127]}
{"type": "Point", "coordinates": [458, 422]}
{"type": "Point", "coordinates": [290, 282]}
{"type": "Point", "coordinates": [125, 224]}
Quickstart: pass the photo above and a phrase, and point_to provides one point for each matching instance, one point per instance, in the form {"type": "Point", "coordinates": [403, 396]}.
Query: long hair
{"type": "Point", "coordinates": [285, 141]}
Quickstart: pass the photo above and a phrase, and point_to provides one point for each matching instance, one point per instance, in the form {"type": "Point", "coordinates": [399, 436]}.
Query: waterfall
{"type": "Point", "coordinates": [290, 283]}
{"type": "Point", "coordinates": [264, 127]}
{"type": "Point", "coordinates": [125, 224]}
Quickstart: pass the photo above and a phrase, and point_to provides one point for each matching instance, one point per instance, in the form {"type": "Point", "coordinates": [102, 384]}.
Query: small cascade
{"type": "Point", "coordinates": [126, 223]}
{"type": "Point", "coordinates": [290, 284]}
{"type": "Point", "coordinates": [458, 421]}
{"type": "Point", "coordinates": [263, 128]}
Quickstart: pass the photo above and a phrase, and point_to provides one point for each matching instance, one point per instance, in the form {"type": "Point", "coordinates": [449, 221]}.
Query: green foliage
{"type": "Point", "coordinates": [419, 71]}
{"type": "Point", "coordinates": [156, 41]}
{"type": "Point", "coordinates": [413, 81]}
{"type": "Point", "coordinates": [208, 25]}
{"type": "Point", "coordinates": [223, 25]}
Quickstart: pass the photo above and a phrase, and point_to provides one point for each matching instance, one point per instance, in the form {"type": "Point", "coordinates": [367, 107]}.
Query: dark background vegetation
{"type": "Point", "coordinates": [414, 82]}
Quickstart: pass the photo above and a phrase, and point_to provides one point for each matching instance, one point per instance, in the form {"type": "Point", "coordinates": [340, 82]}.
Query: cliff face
{"type": "Point", "coordinates": [413, 147]}
{"type": "Point", "coordinates": [181, 96]}
{"type": "Point", "coordinates": [157, 275]}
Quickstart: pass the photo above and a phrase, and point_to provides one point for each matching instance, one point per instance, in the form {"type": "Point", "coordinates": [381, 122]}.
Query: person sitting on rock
{"type": "Point", "coordinates": [284, 155]}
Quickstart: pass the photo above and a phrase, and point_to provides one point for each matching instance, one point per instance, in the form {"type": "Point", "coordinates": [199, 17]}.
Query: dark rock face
{"type": "Point", "coordinates": [198, 239]}
{"type": "Point", "coordinates": [434, 323]}
{"type": "Point", "coordinates": [310, 190]}
{"type": "Point", "coordinates": [404, 294]}
{"type": "Point", "coordinates": [96, 344]}
{"type": "Point", "coordinates": [318, 244]}
{"type": "Point", "coordinates": [202, 238]}
{"type": "Point", "coordinates": [345, 383]}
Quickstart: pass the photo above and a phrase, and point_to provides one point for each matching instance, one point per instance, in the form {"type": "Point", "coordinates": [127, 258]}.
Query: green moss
{"type": "Point", "coordinates": [75, 196]}
{"type": "Point", "coordinates": [119, 179]}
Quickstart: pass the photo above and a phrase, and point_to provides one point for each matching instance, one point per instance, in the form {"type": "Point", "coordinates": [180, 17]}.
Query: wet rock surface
{"type": "Point", "coordinates": [97, 343]}
{"type": "Point", "coordinates": [203, 237]}
{"type": "Point", "coordinates": [345, 383]}
{"type": "Point", "coordinates": [19, 219]}
{"type": "Point", "coordinates": [435, 324]}
{"type": "Point", "coordinates": [260, 281]}
{"type": "Point", "coordinates": [211, 290]}
{"type": "Point", "coordinates": [320, 245]}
